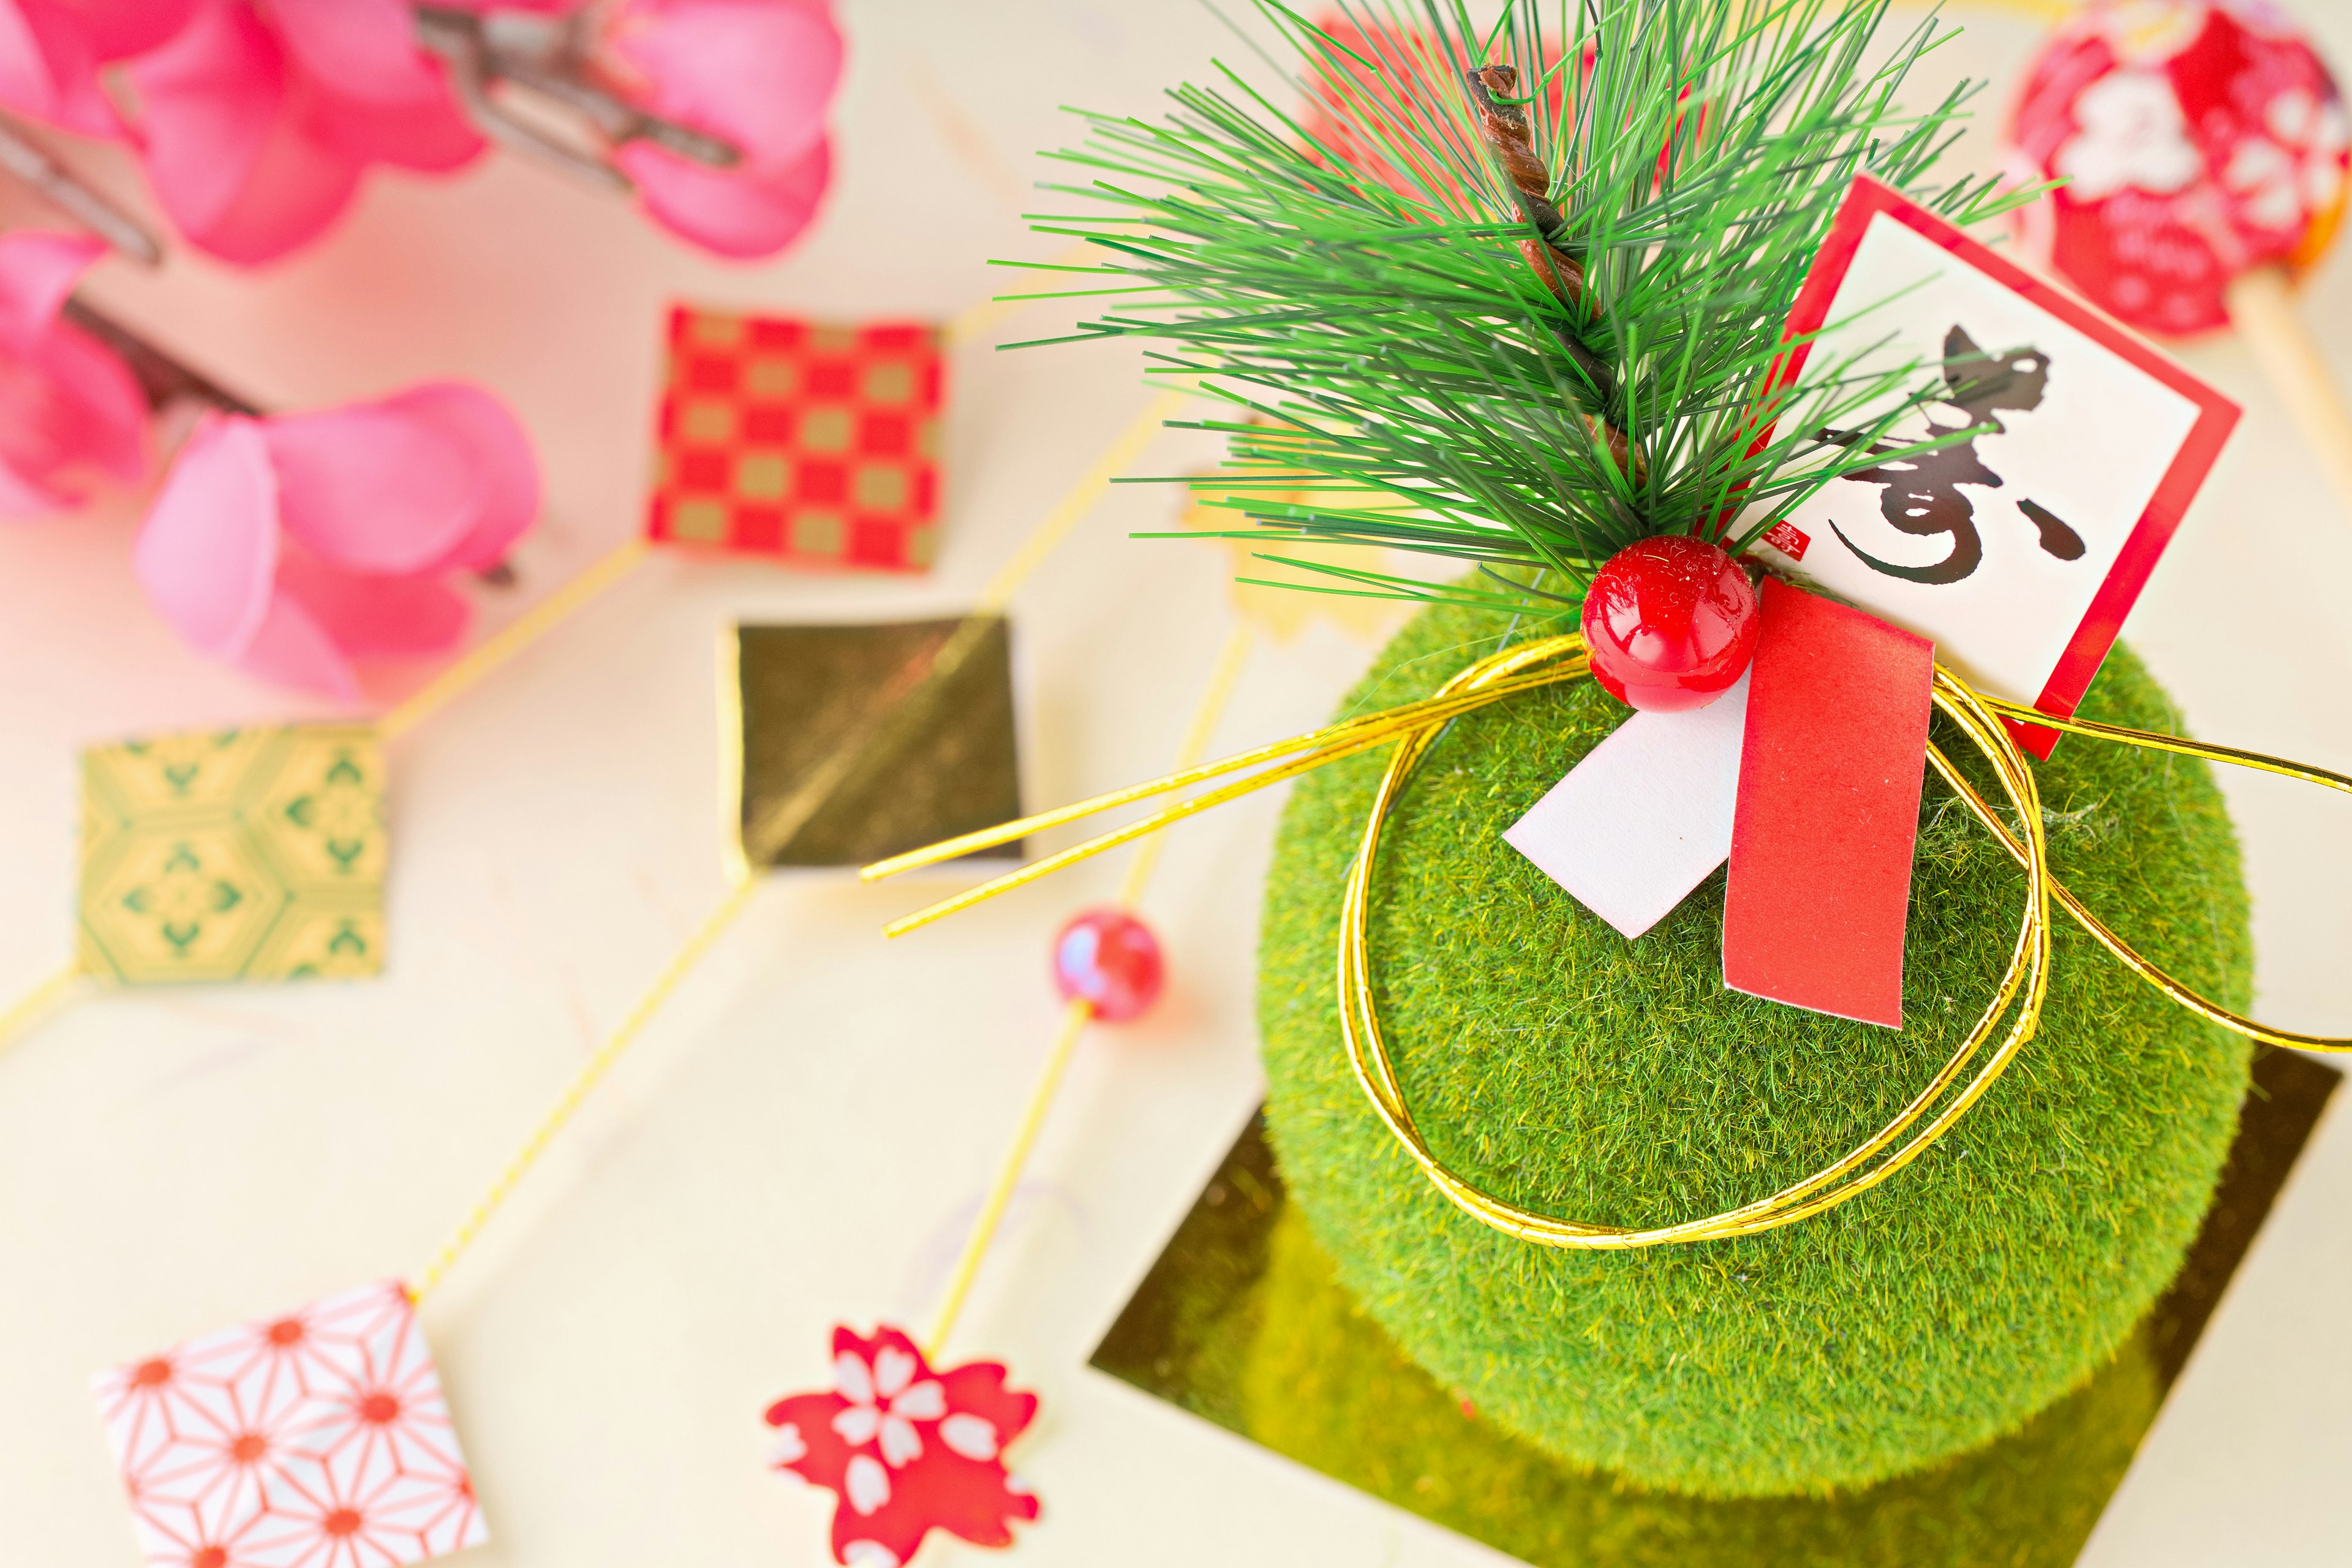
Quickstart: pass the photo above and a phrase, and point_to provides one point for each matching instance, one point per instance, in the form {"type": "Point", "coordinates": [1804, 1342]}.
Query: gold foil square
{"type": "Point", "coordinates": [1189, 1334]}
{"type": "Point", "coordinates": [851, 743]}
{"type": "Point", "coordinates": [233, 855]}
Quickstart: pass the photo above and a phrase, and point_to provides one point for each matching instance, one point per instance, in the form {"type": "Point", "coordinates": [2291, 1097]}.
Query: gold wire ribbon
{"type": "Point", "coordinates": [1414, 726]}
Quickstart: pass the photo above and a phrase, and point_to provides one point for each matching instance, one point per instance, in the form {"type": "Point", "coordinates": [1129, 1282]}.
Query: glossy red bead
{"type": "Point", "coordinates": [1111, 960]}
{"type": "Point", "coordinates": [1671, 623]}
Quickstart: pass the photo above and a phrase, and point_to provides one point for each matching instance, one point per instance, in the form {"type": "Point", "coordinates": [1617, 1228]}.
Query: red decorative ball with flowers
{"type": "Point", "coordinates": [2199, 140]}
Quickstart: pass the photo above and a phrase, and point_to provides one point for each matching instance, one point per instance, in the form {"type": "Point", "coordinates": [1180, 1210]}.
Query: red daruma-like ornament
{"type": "Point", "coordinates": [1669, 624]}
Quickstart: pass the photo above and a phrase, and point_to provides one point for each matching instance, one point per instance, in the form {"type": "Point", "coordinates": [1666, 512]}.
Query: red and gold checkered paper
{"type": "Point", "coordinates": [813, 441]}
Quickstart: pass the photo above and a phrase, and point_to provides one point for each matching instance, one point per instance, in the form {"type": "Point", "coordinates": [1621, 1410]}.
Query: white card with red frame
{"type": "Point", "coordinates": [2020, 550]}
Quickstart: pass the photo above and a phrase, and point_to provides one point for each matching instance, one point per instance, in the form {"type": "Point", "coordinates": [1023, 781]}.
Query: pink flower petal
{"type": "Point", "coordinates": [38, 271]}
{"type": "Point", "coordinates": [370, 616]}
{"type": "Point", "coordinates": [21, 495]}
{"type": "Point", "coordinates": [227, 149]}
{"type": "Point", "coordinates": [368, 90]}
{"type": "Point", "coordinates": [538, 7]}
{"type": "Point", "coordinates": [495, 442]}
{"type": "Point", "coordinates": [49, 66]}
{"type": "Point", "coordinates": [122, 28]}
{"type": "Point", "coordinates": [429, 133]}
{"type": "Point", "coordinates": [65, 399]}
{"type": "Point", "coordinates": [365, 49]}
{"type": "Point", "coordinates": [436, 477]}
{"type": "Point", "coordinates": [760, 73]}
{"type": "Point", "coordinates": [290, 649]}
{"type": "Point", "coordinates": [744, 212]}
{"type": "Point", "coordinates": [371, 489]}
{"type": "Point", "coordinates": [208, 550]}
{"type": "Point", "coordinates": [89, 412]}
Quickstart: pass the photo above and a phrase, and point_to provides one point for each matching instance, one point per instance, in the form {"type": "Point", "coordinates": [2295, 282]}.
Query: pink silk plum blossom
{"type": "Point", "coordinates": [50, 51]}
{"type": "Point", "coordinates": [759, 73]}
{"type": "Point", "coordinates": [256, 121]}
{"type": "Point", "coordinates": [290, 547]}
{"type": "Point", "coordinates": [67, 403]}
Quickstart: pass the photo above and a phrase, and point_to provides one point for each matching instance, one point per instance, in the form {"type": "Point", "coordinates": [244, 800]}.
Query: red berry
{"type": "Point", "coordinates": [1670, 622]}
{"type": "Point", "coordinates": [1109, 960]}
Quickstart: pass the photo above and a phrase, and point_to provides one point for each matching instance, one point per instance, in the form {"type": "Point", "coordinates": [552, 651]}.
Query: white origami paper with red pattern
{"type": "Point", "coordinates": [317, 1439]}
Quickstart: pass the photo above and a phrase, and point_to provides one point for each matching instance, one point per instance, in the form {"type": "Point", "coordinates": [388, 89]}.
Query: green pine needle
{"type": "Point", "coordinates": [1350, 280]}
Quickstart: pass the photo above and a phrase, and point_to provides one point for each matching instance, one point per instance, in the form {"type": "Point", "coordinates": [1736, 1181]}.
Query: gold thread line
{"type": "Point", "coordinates": [1214, 698]}
{"type": "Point", "coordinates": [895, 714]}
{"type": "Point", "coordinates": [2150, 740]}
{"type": "Point", "coordinates": [1050, 530]}
{"type": "Point", "coordinates": [1826, 1188]}
{"type": "Point", "coordinates": [450, 683]}
{"type": "Point", "coordinates": [455, 678]}
{"type": "Point", "coordinates": [1205, 715]}
{"type": "Point", "coordinates": [34, 1004]}
{"type": "Point", "coordinates": [1371, 729]}
{"type": "Point", "coordinates": [1143, 827]}
{"type": "Point", "coordinates": [2174, 989]}
{"type": "Point", "coordinates": [1415, 726]}
{"type": "Point", "coordinates": [900, 704]}
{"type": "Point", "coordinates": [591, 1073]}
{"type": "Point", "coordinates": [1076, 1016]}
{"type": "Point", "coordinates": [730, 753]}
{"type": "Point", "coordinates": [1057, 523]}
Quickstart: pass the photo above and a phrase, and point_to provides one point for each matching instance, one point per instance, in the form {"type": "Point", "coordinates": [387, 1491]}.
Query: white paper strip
{"type": "Point", "coordinates": [1644, 818]}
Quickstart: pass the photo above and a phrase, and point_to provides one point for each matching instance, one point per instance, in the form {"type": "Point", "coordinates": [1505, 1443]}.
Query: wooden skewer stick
{"type": "Point", "coordinates": [2262, 304]}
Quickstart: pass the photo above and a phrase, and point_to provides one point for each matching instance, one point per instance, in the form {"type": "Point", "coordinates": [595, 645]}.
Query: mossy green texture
{"type": "Point", "coordinates": [1323, 1385]}
{"type": "Point", "coordinates": [1553, 1061]}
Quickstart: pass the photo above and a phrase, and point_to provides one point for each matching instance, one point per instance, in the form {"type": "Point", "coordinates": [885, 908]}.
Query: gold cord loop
{"type": "Point", "coordinates": [1854, 1173]}
{"type": "Point", "coordinates": [1414, 726]}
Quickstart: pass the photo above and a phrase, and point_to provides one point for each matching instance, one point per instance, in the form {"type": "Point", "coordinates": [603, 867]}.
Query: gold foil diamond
{"type": "Point", "coordinates": [854, 742]}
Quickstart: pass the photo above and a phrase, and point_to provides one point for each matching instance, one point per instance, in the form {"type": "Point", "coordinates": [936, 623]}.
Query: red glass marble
{"type": "Point", "coordinates": [1670, 623]}
{"type": "Point", "coordinates": [1109, 960]}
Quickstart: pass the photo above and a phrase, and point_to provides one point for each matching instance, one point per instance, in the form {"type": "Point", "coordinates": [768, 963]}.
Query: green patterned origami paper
{"type": "Point", "coordinates": [233, 855]}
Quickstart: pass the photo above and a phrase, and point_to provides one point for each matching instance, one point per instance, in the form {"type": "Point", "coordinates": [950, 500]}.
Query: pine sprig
{"type": "Point", "coordinates": [1363, 288]}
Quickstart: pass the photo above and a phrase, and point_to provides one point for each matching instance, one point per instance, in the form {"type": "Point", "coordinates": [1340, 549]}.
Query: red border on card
{"type": "Point", "coordinates": [2217, 416]}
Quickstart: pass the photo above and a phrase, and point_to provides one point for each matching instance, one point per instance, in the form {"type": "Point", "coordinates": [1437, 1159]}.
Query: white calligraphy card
{"type": "Point", "coordinates": [2019, 550]}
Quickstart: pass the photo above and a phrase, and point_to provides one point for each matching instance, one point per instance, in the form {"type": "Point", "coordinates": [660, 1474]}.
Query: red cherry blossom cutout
{"type": "Point", "coordinates": [906, 1449]}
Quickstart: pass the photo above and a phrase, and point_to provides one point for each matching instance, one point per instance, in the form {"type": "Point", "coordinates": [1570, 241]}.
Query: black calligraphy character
{"type": "Point", "coordinates": [1922, 494]}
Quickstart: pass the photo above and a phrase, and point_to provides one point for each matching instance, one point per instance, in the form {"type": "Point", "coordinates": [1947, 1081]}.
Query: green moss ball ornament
{"type": "Point", "coordinates": [1323, 1385]}
{"type": "Point", "coordinates": [1558, 1064]}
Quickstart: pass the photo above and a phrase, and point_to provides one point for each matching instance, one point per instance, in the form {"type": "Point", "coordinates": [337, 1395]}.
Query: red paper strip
{"type": "Point", "coordinates": [1830, 773]}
